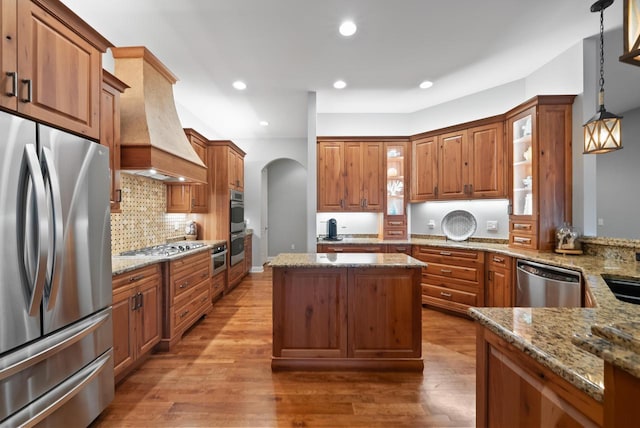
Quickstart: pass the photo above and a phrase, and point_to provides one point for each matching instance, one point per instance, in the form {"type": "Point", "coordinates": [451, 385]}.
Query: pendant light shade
{"type": "Point", "coordinates": [603, 132]}
{"type": "Point", "coordinates": [631, 26]}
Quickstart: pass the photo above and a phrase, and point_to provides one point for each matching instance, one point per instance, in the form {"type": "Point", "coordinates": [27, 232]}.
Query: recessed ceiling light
{"type": "Point", "coordinates": [348, 28]}
{"type": "Point", "coordinates": [339, 84]}
{"type": "Point", "coordinates": [240, 85]}
{"type": "Point", "coordinates": [264, 123]}
{"type": "Point", "coordinates": [426, 84]}
{"type": "Point", "coordinates": [181, 178]}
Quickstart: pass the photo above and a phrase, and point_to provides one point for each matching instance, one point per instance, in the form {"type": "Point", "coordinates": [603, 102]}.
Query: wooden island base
{"type": "Point", "coordinates": [347, 312]}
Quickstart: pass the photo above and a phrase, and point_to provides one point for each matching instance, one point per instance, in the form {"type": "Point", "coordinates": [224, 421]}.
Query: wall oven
{"type": "Point", "coordinates": [218, 259]}
{"type": "Point", "coordinates": [237, 247]}
{"type": "Point", "coordinates": [237, 211]}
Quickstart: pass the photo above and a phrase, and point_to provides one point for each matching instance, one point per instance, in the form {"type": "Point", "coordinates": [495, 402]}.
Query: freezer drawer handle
{"type": "Point", "coordinates": [60, 395]}
{"type": "Point", "coordinates": [40, 351]}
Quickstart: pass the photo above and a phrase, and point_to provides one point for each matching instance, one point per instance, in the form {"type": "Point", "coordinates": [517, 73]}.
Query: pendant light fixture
{"type": "Point", "coordinates": [603, 132]}
{"type": "Point", "coordinates": [631, 25]}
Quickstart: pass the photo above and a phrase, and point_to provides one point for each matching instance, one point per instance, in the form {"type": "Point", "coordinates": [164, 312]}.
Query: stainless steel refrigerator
{"type": "Point", "coordinates": [56, 338]}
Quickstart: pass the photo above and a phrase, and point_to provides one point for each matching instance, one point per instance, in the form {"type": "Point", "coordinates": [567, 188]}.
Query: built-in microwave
{"type": "Point", "coordinates": [237, 211]}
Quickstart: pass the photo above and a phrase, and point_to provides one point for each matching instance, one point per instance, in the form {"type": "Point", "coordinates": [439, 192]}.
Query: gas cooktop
{"type": "Point", "coordinates": [164, 249]}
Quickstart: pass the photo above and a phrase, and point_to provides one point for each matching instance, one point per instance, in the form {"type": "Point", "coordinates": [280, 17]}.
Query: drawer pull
{"type": "Point", "coordinates": [136, 278]}
{"type": "Point", "coordinates": [445, 270]}
{"type": "Point", "coordinates": [395, 223]}
{"type": "Point", "coordinates": [184, 314]}
{"type": "Point", "coordinates": [521, 226]}
{"type": "Point", "coordinates": [445, 253]}
{"type": "Point", "coordinates": [204, 299]}
{"type": "Point", "coordinates": [184, 284]}
{"type": "Point", "coordinates": [395, 232]}
{"type": "Point", "coordinates": [442, 293]}
{"type": "Point", "coordinates": [204, 274]}
{"type": "Point", "coordinates": [498, 260]}
{"type": "Point", "coordinates": [335, 250]}
{"type": "Point", "coordinates": [520, 240]}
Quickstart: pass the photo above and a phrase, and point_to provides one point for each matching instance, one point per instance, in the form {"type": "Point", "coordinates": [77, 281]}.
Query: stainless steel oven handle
{"type": "Point", "coordinates": [58, 249]}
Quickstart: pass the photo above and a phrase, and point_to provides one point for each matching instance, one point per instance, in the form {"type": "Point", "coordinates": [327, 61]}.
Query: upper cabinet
{"type": "Point", "coordinates": [236, 170]}
{"type": "Point", "coordinates": [350, 175]}
{"type": "Point", "coordinates": [193, 197]}
{"type": "Point", "coordinates": [112, 87]}
{"type": "Point", "coordinates": [467, 162]}
{"type": "Point", "coordinates": [64, 89]}
{"type": "Point", "coordinates": [539, 134]}
{"type": "Point", "coordinates": [397, 176]}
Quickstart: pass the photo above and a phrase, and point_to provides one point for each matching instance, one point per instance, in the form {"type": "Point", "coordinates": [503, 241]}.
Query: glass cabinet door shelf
{"type": "Point", "coordinates": [395, 215]}
{"type": "Point", "coordinates": [523, 180]}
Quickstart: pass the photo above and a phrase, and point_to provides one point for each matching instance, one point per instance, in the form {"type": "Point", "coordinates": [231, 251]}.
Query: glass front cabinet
{"type": "Point", "coordinates": [395, 215]}
{"type": "Point", "coordinates": [539, 134]}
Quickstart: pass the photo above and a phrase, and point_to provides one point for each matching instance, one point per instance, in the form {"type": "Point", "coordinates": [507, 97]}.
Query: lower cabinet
{"type": "Point", "coordinates": [341, 248]}
{"type": "Point", "coordinates": [236, 273]}
{"type": "Point", "coordinates": [248, 253]}
{"type": "Point", "coordinates": [186, 296]}
{"type": "Point", "coordinates": [337, 318]}
{"type": "Point", "coordinates": [514, 390]}
{"type": "Point", "coordinates": [399, 248]}
{"type": "Point", "coordinates": [453, 279]}
{"type": "Point", "coordinates": [217, 285]}
{"type": "Point", "coordinates": [136, 317]}
{"type": "Point", "coordinates": [499, 281]}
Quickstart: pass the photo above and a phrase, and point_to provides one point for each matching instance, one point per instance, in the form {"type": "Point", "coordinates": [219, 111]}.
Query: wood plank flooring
{"type": "Point", "coordinates": [220, 376]}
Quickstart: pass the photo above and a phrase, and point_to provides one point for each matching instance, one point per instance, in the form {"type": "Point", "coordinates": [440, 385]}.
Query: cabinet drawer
{"type": "Point", "coordinates": [522, 241]}
{"type": "Point", "coordinates": [449, 271]}
{"type": "Point", "coordinates": [499, 261]}
{"type": "Point", "coordinates": [217, 284]}
{"type": "Point", "coordinates": [190, 309]}
{"type": "Point", "coordinates": [187, 262]}
{"type": "Point", "coordinates": [447, 255]}
{"type": "Point", "coordinates": [391, 223]}
{"type": "Point", "coordinates": [393, 233]}
{"type": "Point", "coordinates": [522, 227]}
{"type": "Point", "coordinates": [136, 277]}
{"type": "Point", "coordinates": [185, 282]}
{"type": "Point", "coordinates": [448, 294]}
{"type": "Point", "coordinates": [399, 248]}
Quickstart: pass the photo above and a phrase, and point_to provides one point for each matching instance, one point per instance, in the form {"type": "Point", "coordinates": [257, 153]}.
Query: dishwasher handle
{"type": "Point", "coordinates": [548, 272]}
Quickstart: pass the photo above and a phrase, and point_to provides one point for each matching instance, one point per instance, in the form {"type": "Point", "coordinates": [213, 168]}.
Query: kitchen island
{"type": "Point", "coordinates": [347, 311]}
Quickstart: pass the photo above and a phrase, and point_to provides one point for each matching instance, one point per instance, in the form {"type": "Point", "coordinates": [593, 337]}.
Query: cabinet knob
{"type": "Point", "coordinates": [184, 284]}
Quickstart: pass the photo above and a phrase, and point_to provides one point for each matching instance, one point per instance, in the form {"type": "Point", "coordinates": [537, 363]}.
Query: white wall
{"type": "Point", "coordinates": [378, 124]}
{"type": "Point", "coordinates": [482, 210]}
{"type": "Point", "coordinates": [560, 76]}
{"type": "Point", "coordinates": [287, 208]}
{"type": "Point", "coordinates": [350, 223]}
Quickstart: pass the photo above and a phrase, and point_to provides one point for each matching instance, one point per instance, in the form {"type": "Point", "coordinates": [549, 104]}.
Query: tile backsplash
{"type": "Point", "coordinates": [143, 221]}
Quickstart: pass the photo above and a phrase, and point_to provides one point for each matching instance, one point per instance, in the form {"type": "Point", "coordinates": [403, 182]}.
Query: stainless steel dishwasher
{"type": "Point", "coordinates": [542, 285]}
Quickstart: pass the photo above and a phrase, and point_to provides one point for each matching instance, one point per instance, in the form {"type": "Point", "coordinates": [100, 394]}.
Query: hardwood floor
{"type": "Point", "coordinates": [220, 376]}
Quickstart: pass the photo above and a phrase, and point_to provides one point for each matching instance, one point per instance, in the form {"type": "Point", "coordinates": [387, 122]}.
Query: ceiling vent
{"type": "Point", "coordinates": [151, 134]}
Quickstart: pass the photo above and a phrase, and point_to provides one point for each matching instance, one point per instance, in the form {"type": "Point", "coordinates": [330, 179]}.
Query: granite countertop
{"type": "Point", "coordinates": [325, 260]}
{"type": "Point", "coordinates": [123, 264]}
{"type": "Point", "coordinates": [551, 335]}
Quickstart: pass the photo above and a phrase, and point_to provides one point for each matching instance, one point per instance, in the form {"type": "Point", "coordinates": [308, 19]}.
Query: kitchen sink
{"type": "Point", "coordinates": [625, 289]}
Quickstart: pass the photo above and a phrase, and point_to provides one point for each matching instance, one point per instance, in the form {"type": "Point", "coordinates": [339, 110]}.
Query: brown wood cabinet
{"type": "Point", "coordinates": [424, 174]}
{"type": "Point", "coordinates": [218, 283]}
{"type": "Point", "coordinates": [52, 65]}
{"type": "Point", "coordinates": [236, 273]}
{"type": "Point", "coordinates": [337, 318]}
{"type": "Point", "coordinates": [399, 248]}
{"type": "Point", "coordinates": [236, 170]}
{"type": "Point", "coordinates": [621, 392]}
{"type": "Point", "coordinates": [465, 161]}
{"type": "Point", "coordinates": [396, 171]}
{"type": "Point", "coordinates": [350, 175]}
{"type": "Point", "coordinates": [453, 279]}
{"type": "Point", "coordinates": [185, 297]}
{"type": "Point", "coordinates": [514, 390]}
{"type": "Point", "coordinates": [498, 287]}
{"type": "Point", "coordinates": [136, 317]}
{"type": "Point", "coordinates": [539, 135]}
{"type": "Point", "coordinates": [112, 87]}
{"type": "Point", "coordinates": [363, 248]}
{"type": "Point", "coordinates": [194, 197]}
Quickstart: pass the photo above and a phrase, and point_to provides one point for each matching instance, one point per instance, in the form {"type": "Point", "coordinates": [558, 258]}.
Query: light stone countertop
{"type": "Point", "coordinates": [548, 334]}
{"type": "Point", "coordinates": [340, 260]}
{"type": "Point", "coordinates": [123, 264]}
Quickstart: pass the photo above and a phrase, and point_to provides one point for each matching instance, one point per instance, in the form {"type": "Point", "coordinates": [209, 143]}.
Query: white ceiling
{"type": "Point", "coordinates": [284, 48]}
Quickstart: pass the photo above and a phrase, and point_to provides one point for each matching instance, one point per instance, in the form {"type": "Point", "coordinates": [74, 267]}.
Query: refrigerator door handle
{"type": "Point", "coordinates": [46, 405]}
{"type": "Point", "coordinates": [51, 177]}
{"type": "Point", "coordinates": [43, 349]}
{"type": "Point", "coordinates": [37, 289]}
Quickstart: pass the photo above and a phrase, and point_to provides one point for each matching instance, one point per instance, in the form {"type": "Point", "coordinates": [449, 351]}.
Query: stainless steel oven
{"type": "Point", "coordinates": [237, 211]}
{"type": "Point", "coordinates": [218, 259]}
{"type": "Point", "coordinates": [237, 247]}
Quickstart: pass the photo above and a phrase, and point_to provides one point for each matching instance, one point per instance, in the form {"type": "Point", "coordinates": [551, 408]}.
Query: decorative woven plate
{"type": "Point", "coordinates": [459, 225]}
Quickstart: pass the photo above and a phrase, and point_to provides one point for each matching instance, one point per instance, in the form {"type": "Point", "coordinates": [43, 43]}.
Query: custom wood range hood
{"type": "Point", "coordinates": [152, 137]}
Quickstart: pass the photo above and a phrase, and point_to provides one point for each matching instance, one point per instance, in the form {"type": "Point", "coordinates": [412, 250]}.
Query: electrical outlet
{"type": "Point", "coordinates": [293, 246]}
{"type": "Point", "coordinates": [600, 222]}
{"type": "Point", "coordinates": [492, 225]}
{"type": "Point", "coordinates": [431, 224]}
